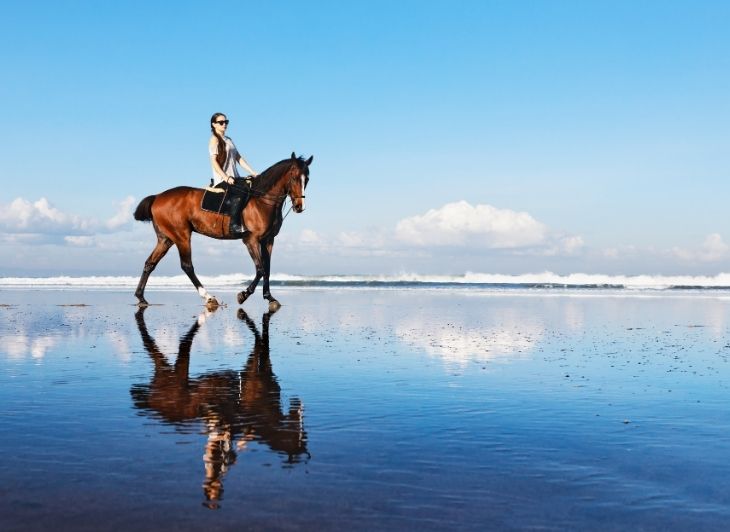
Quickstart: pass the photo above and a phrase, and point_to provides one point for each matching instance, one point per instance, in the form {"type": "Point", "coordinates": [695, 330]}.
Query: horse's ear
{"type": "Point", "coordinates": [293, 155]}
{"type": "Point", "coordinates": [309, 161]}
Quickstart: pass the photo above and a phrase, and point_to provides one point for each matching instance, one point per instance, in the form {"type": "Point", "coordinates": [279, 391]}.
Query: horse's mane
{"type": "Point", "coordinates": [271, 175]}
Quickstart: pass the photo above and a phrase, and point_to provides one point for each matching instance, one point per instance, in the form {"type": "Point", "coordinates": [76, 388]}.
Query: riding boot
{"type": "Point", "coordinates": [236, 209]}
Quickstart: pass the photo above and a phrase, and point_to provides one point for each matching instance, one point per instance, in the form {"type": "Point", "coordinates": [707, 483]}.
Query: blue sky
{"type": "Point", "coordinates": [497, 137]}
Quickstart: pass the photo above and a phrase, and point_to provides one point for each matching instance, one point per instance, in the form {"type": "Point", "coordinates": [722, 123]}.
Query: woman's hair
{"type": "Point", "coordinates": [221, 157]}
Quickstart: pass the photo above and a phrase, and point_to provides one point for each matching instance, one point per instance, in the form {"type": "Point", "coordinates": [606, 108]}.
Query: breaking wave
{"type": "Point", "coordinates": [544, 280]}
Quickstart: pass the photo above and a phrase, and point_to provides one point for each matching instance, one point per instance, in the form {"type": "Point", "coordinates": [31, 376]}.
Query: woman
{"type": "Point", "coordinates": [223, 159]}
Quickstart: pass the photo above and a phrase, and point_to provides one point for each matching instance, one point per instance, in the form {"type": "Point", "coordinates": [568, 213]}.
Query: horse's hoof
{"type": "Point", "coordinates": [241, 297]}
{"type": "Point", "coordinates": [142, 303]}
{"type": "Point", "coordinates": [212, 304]}
{"type": "Point", "coordinates": [274, 305]}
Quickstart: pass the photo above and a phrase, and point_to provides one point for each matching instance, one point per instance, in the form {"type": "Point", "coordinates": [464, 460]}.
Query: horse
{"type": "Point", "coordinates": [176, 213]}
{"type": "Point", "coordinates": [237, 407]}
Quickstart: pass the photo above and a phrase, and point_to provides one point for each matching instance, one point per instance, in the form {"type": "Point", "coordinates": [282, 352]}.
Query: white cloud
{"type": "Point", "coordinates": [20, 238]}
{"type": "Point", "coordinates": [123, 216]}
{"type": "Point", "coordinates": [40, 221]}
{"type": "Point", "coordinates": [623, 252]}
{"type": "Point", "coordinates": [560, 245]}
{"type": "Point", "coordinates": [712, 249]}
{"type": "Point", "coordinates": [371, 243]}
{"type": "Point", "coordinates": [571, 244]}
{"type": "Point", "coordinates": [474, 229]}
{"type": "Point", "coordinates": [483, 226]}
{"type": "Point", "coordinates": [80, 241]}
{"type": "Point", "coordinates": [22, 216]}
{"type": "Point", "coordinates": [353, 239]}
{"type": "Point", "coordinates": [310, 238]}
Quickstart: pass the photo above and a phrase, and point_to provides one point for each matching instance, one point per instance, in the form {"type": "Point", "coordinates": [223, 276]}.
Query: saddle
{"type": "Point", "coordinates": [218, 199]}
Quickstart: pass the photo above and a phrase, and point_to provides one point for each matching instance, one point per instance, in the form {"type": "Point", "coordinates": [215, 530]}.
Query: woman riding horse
{"type": "Point", "coordinates": [223, 158]}
{"type": "Point", "coordinates": [176, 213]}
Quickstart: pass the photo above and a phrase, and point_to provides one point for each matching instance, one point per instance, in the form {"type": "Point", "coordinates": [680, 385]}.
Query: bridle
{"type": "Point", "coordinates": [275, 200]}
{"type": "Point", "coordinates": [288, 186]}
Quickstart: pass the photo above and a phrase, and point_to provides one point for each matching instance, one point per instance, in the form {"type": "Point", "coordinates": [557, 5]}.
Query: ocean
{"type": "Point", "coordinates": [545, 280]}
{"type": "Point", "coordinates": [366, 403]}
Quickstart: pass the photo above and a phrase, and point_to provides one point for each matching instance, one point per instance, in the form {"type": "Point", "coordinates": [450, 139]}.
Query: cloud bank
{"type": "Point", "coordinates": [461, 224]}
{"type": "Point", "coordinates": [459, 227]}
{"type": "Point", "coordinates": [22, 219]}
{"type": "Point", "coordinates": [713, 249]}
{"type": "Point", "coordinates": [453, 238]}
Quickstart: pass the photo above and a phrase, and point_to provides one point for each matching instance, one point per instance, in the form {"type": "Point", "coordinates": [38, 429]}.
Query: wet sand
{"type": "Point", "coordinates": [365, 409]}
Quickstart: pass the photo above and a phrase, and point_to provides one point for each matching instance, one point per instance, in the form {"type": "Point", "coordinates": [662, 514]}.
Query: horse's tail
{"type": "Point", "coordinates": [143, 212]}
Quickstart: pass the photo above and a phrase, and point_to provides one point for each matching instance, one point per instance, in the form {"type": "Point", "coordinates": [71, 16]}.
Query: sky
{"type": "Point", "coordinates": [448, 137]}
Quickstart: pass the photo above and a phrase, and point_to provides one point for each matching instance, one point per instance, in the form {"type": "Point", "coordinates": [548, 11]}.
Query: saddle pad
{"type": "Point", "coordinates": [213, 200]}
{"type": "Point", "coordinates": [218, 198]}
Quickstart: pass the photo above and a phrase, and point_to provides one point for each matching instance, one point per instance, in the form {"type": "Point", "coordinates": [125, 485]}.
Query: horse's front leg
{"type": "Point", "coordinates": [186, 263]}
{"type": "Point", "coordinates": [266, 250]}
{"type": "Point", "coordinates": [254, 249]}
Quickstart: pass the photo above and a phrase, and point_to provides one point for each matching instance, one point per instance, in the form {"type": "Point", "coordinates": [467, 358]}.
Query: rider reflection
{"type": "Point", "coordinates": [236, 407]}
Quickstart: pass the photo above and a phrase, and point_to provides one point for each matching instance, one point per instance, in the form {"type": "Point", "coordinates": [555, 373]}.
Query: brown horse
{"type": "Point", "coordinates": [176, 213]}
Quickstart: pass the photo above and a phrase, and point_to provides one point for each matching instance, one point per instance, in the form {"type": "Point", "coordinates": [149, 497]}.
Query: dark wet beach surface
{"type": "Point", "coordinates": [365, 409]}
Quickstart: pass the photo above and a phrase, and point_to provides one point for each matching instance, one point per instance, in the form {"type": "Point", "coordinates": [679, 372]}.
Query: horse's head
{"type": "Point", "coordinates": [298, 181]}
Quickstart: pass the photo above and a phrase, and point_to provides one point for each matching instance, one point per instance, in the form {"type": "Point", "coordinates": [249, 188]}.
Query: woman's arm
{"type": "Point", "coordinates": [245, 165]}
{"type": "Point", "coordinates": [239, 158]}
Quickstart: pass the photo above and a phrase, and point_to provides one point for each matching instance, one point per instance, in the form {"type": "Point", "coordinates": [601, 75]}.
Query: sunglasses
{"type": "Point", "coordinates": [221, 122]}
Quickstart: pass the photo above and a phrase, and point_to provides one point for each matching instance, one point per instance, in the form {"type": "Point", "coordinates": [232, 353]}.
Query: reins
{"type": "Point", "coordinates": [287, 212]}
{"type": "Point", "coordinates": [269, 199]}
{"type": "Point", "coordinates": [273, 200]}
{"type": "Point", "coordinates": [275, 203]}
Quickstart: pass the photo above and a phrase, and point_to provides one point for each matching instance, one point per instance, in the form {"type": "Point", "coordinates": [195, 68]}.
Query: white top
{"type": "Point", "coordinates": [232, 157]}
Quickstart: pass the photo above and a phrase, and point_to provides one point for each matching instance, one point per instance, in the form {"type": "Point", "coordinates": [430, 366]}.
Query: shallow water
{"type": "Point", "coordinates": [365, 409]}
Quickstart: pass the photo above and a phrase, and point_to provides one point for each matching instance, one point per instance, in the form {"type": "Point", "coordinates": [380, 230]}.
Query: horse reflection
{"type": "Point", "coordinates": [236, 407]}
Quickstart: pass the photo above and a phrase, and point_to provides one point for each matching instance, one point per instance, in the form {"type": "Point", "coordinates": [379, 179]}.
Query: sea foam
{"type": "Point", "coordinates": [545, 280]}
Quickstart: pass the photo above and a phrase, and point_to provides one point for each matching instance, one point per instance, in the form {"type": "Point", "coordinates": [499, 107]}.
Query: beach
{"type": "Point", "coordinates": [365, 407]}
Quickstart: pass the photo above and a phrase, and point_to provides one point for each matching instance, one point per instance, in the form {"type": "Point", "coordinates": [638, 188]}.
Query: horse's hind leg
{"type": "Point", "coordinates": [162, 247]}
{"type": "Point", "coordinates": [186, 263]}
